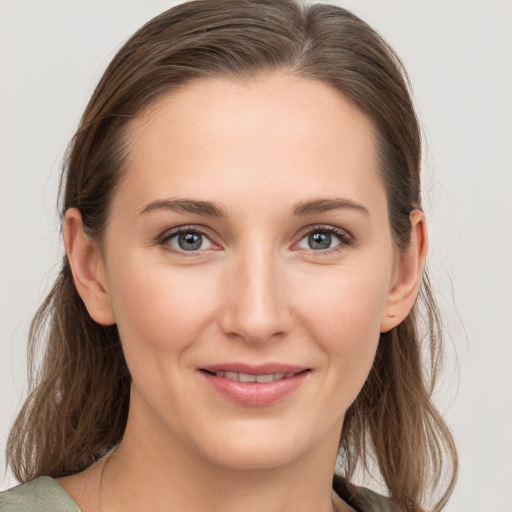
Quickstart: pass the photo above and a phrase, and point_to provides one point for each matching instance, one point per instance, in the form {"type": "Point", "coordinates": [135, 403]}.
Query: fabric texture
{"type": "Point", "coordinates": [41, 495]}
{"type": "Point", "coordinates": [45, 495]}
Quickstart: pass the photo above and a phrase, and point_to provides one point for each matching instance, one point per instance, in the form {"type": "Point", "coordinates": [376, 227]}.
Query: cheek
{"type": "Point", "coordinates": [343, 312]}
{"type": "Point", "coordinates": [346, 302]}
{"type": "Point", "coordinates": [158, 308]}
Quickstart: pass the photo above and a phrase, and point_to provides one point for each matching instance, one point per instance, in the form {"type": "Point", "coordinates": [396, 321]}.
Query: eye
{"type": "Point", "coordinates": [188, 240]}
{"type": "Point", "coordinates": [323, 239]}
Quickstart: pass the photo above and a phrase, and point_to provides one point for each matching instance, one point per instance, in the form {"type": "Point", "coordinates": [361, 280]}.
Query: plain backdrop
{"type": "Point", "coordinates": [458, 54]}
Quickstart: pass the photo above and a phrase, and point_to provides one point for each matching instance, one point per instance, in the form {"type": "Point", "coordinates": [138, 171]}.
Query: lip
{"type": "Point", "coordinates": [254, 394]}
{"type": "Point", "coordinates": [259, 369]}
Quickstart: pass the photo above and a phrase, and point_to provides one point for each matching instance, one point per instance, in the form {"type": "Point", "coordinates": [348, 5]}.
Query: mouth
{"type": "Point", "coordinates": [255, 385]}
{"type": "Point", "coordinates": [247, 377]}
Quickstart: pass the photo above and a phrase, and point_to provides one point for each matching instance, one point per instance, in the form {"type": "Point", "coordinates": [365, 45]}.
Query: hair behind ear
{"type": "Point", "coordinates": [83, 376]}
{"type": "Point", "coordinates": [395, 418]}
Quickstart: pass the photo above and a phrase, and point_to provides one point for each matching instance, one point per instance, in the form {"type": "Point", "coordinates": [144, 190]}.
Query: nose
{"type": "Point", "coordinates": [256, 302]}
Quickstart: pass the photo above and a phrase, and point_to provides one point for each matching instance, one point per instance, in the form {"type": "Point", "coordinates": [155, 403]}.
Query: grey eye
{"type": "Point", "coordinates": [319, 240]}
{"type": "Point", "coordinates": [189, 241]}
{"type": "Point", "coordinates": [322, 239]}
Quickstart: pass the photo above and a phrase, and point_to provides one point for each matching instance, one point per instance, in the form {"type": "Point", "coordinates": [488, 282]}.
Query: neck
{"type": "Point", "coordinates": [154, 472]}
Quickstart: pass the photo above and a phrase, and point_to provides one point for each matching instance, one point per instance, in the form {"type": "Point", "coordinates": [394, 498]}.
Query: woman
{"type": "Point", "coordinates": [238, 301]}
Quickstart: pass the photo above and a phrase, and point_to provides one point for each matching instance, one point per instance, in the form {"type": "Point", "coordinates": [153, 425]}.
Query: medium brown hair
{"type": "Point", "coordinates": [78, 405]}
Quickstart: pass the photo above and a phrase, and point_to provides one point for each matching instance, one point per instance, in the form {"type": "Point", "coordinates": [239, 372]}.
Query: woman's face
{"type": "Point", "coordinates": [248, 262]}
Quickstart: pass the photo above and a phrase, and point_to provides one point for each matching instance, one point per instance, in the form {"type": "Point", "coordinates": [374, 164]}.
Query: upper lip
{"type": "Point", "coordinates": [259, 369]}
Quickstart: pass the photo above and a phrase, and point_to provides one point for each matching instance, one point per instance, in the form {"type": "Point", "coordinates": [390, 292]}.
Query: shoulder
{"type": "Point", "coordinates": [362, 499]}
{"type": "Point", "coordinates": [41, 495]}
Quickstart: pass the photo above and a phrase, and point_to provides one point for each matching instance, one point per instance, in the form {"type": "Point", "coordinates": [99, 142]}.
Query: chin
{"type": "Point", "coordinates": [252, 458]}
{"type": "Point", "coordinates": [257, 449]}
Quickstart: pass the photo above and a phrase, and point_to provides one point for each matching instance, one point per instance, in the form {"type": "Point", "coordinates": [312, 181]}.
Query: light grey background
{"type": "Point", "coordinates": [459, 56]}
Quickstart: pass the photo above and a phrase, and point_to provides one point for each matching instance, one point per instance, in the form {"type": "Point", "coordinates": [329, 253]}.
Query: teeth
{"type": "Point", "coordinates": [245, 377]}
{"type": "Point", "coordinates": [264, 378]}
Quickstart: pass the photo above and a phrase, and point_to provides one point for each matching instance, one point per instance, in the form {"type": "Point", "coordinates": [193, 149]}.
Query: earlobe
{"type": "Point", "coordinates": [404, 291]}
{"type": "Point", "coordinates": [87, 268]}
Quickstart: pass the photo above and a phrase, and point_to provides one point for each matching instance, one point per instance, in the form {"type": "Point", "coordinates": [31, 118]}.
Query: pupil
{"type": "Point", "coordinates": [189, 241]}
{"type": "Point", "coordinates": [319, 240]}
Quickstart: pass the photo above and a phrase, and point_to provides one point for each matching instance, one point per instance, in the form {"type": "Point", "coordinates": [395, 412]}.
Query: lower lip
{"type": "Point", "coordinates": [255, 394]}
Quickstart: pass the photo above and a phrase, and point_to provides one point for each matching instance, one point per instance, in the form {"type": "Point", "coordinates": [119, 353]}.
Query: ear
{"type": "Point", "coordinates": [88, 270]}
{"type": "Point", "coordinates": [407, 280]}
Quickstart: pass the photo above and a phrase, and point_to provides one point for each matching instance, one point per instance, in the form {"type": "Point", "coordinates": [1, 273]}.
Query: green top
{"type": "Point", "coordinates": [45, 495]}
{"type": "Point", "coordinates": [41, 495]}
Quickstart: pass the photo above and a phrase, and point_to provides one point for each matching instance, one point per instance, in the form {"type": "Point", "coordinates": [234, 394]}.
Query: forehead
{"type": "Point", "coordinates": [278, 130]}
{"type": "Point", "coordinates": [286, 105]}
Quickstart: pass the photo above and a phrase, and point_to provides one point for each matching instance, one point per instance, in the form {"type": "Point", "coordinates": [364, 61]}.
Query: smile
{"type": "Point", "coordinates": [247, 377]}
{"type": "Point", "coordinates": [254, 386]}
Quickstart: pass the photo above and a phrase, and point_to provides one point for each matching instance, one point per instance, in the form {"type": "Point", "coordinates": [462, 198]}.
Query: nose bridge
{"type": "Point", "coordinates": [255, 309]}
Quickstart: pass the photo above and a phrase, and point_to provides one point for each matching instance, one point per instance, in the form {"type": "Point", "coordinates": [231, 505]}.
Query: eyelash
{"type": "Point", "coordinates": [345, 238]}
{"type": "Point", "coordinates": [164, 239]}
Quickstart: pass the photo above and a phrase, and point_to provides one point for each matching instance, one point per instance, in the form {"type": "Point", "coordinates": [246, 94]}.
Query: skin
{"type": "Point", "coordinates": [256, 292]}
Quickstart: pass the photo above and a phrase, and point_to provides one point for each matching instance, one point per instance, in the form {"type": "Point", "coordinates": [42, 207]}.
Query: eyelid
{"type": "Point", "coordinates": [345, 236]}
{"type": "Point", "coordinates": [164, 238]}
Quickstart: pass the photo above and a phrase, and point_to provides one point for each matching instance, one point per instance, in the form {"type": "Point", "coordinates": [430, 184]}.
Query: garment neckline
{"type": "Point", "coordinates": [348, 492]}
{"type": "Point", "coordinates": [62, 492]}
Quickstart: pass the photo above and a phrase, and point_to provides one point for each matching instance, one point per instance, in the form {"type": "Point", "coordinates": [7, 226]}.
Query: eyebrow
{"type": "Point", "coordinates": [325, 205]}
{"type": "Point", "coordinates": [209, 209]}
{"type": "Point", "coordinates": [204, 208]}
